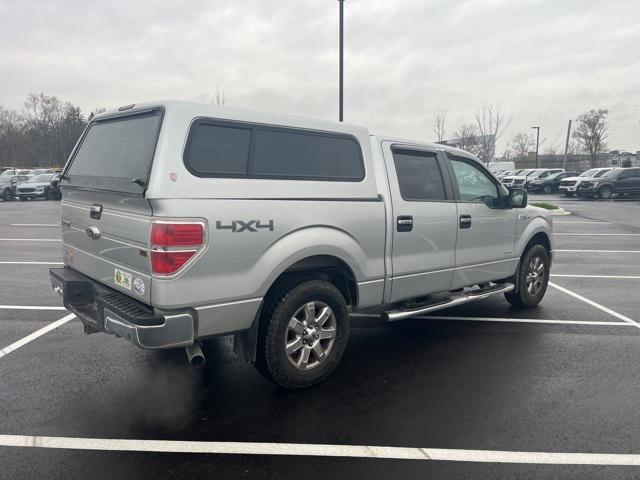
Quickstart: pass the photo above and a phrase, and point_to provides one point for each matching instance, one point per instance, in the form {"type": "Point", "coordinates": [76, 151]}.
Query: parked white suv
{"type": "Point", "coordinates": [522, 181]}
{"type": "Point", "coordinates": [569, 186]}
{"type": "Point", "coordinates": [507, 180]}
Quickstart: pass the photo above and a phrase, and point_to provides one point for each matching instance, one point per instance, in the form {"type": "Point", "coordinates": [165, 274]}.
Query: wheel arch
{"type": "Point", "coordinates": [318, 252]}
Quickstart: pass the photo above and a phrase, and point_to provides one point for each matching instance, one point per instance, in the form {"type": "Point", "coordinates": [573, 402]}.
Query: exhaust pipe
{"type": "Point", "coordinates": [195, 355]}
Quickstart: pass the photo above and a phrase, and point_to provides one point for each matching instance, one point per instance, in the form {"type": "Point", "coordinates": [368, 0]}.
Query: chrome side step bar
{"type": "Point", "coordinates": [458, 299]}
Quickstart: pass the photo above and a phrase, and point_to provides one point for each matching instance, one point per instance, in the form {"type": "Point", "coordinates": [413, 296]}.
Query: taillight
{"type": "Point", "coordinates": [173, 244]}
{"type": "Point", "coordinates": [166, 263]}
{"type": "Point", "coordinates": [177, 234]}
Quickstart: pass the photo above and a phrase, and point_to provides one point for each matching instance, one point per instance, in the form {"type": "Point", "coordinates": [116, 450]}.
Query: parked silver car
{"type": "Point", "coordinates": [183, 221]}
{"type": "Point", "coordinates": [38, 186]}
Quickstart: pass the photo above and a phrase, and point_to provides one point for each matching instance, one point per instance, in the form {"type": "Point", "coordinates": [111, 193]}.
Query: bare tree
{"type": "Point", "coordinates": [439, 127]}
{"type": "Point", "coordinates": [11, 124]}
{"type": "Point", "coordinates": [218, 98]}
{"type": "Point", "coordinates": [53, 127]}
{"type": "Point", "coordinates": [492, 121]}
{"type": "Point", "coordinates": [521, 144]}
{"type": "Point", "coordinates": [591, 132]}
{"type": "Point", "coordinates": [466, 138]}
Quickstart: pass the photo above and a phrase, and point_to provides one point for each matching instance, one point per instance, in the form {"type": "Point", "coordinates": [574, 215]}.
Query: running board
{"type": "Point", "coordinates": [458, 299]}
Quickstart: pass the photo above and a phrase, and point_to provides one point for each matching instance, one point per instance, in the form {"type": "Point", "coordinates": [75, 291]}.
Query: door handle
{"type": "Point", "coordinates": [405, 223]}
{"type": "Point", "coordinates": [465, 221]}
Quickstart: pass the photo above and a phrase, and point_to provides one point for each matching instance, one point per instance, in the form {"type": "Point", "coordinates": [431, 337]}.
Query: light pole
{"type": "Point", "coordinates": [537, 143]}
{"type": "Point", "coordinates": [341, 74]}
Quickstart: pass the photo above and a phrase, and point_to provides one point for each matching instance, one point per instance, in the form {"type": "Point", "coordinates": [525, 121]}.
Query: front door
{"type": "Point", "coordinates": [486, 230]}
{"type": "Point", "coordinates": [424, 221]}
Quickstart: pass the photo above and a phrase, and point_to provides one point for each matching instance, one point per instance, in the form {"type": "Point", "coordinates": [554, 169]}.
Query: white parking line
{"type": "Point", "coordinates": [31, 263]}
{"type": "Point", "coordinates": [30, 240]}
{"type": "Point", "coordinates": [522, 320]}
{"type": "Point", "coordinates": [598, 251]}
{"type": "Point", "coordinates": [29, 307]}
{"type": "Point", "coordinates": [35, 225]}
{"type": "Point", "coordinates": [621, 277]}
{"type": "Point", "coordinates": [594, 304]}
{"type": "Point", "coordinates": [36, 334]}
{"type": "Point", "coordinates": [320, 450]}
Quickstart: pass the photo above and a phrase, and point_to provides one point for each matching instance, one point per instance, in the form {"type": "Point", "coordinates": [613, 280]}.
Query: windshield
{"type": "Point", "coordinates": [554, 175]}
{"type": "Point", "coordinates": [589, 173]}
{"type": "Point", "coordinates": [7, 173]}
{"type": "Point", "coordinates": [116, 154]}
{"type": "Point", "coordinates": [602, 173]}
{"type": "Point", "coordinates": [42, 178]}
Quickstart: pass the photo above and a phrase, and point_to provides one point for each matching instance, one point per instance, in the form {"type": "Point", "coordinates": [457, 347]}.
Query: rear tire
{"type": "Point", "coordinates": [605, 193]}
{"type": "Point", "coordinates": [533, 278]}
{"type": "Point", "coordinates": [547, 189]}
{"type": "Point", "coordinates": [304, 329]}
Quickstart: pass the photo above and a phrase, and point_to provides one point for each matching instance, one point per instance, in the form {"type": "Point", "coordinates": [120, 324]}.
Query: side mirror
{"type": "Point", "coordinates": [14, 181]}
{"type": "Point", "coordinates": [517, 198]}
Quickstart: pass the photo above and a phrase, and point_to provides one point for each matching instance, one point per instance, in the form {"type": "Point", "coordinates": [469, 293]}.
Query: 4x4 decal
{"type": "Point", "coordinates": [242, 226]}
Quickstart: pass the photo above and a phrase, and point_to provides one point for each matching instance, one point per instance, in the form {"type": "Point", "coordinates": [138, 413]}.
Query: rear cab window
{"type": "Point", "coordinates": [239, 150]}
{"type": "Point", "coordinates": [419, 176]}
{"type": "Point", "coordinates": [116, 154]}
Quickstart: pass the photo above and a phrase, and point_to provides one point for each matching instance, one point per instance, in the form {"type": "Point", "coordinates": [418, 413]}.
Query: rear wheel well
{"type": "Point", "coordinates": [321, 267]}
{"type": "Point", "coordinates": [318, 267]}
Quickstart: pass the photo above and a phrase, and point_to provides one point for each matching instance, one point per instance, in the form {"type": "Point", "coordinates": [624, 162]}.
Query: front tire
{"type": "Point", "coordinates": [304, 329]}
{"type": "Point", "coordinates": [6, 195]}
{"type": "Point", "coordinates": [23, 199]}
{"type": "Point", "coordinates": [569, 194]}
{"type": "Point", "coordinates": [547, 189]}
{"type": "Point", "coordinates": [532, 279]}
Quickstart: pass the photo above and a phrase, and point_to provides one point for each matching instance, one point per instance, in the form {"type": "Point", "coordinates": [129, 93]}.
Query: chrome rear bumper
{"type": "Point", "coordinates": [102, 309]}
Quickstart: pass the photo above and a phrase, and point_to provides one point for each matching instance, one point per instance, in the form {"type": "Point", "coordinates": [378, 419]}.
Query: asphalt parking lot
{"type": "Point", "coordinates": [481, 391]}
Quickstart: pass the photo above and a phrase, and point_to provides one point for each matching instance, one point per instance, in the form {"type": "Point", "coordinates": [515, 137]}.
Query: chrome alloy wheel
{"type": "Point", "coordinates": [535, 276]}
{"type": "Point", "coordinates": [310, 335]}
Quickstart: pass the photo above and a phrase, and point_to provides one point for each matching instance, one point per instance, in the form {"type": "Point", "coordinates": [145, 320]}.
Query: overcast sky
{"type": "Point", "coordinates": [545, 61]}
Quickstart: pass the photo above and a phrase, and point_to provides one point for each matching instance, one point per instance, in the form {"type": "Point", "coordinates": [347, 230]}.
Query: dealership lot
{"type": "Point", "coordinates": [561, 379]}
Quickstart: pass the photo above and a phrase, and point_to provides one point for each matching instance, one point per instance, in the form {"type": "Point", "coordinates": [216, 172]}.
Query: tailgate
{"type": "Point", "coordinates": [112, 249]}
{"type": "Point", "coordinates": [105, 216]}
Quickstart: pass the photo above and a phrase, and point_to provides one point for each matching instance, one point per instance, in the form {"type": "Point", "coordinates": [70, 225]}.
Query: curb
{"type": "Point", "coordinates": [559, 212]}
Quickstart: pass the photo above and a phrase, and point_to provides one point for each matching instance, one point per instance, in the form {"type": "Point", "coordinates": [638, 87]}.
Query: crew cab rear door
{"type": "Point", "coordinates": [628, 181]}
{"type": "Point", "coordinates": [105, 216]}
{"type": "Point", "coordinates": [424, 221]}
{"type": "Point", "coordinates": [486, 231]}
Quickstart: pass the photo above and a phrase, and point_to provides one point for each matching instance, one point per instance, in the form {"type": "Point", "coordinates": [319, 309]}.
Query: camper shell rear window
{"type": "Point", "coordinates": [116, 153]}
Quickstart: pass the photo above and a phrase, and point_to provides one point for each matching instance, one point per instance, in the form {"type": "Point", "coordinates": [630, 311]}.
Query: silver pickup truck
{"type": "Point", "coordinates": [182, 221]}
